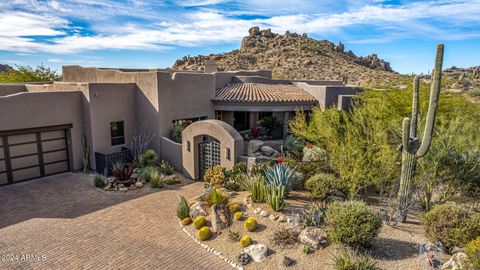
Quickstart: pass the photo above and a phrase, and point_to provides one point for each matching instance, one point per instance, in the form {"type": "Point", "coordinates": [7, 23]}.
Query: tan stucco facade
{"type": "Point", "coordinates": [231, 145]}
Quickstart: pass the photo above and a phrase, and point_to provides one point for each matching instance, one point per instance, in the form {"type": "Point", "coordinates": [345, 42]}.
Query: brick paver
{"type": "Point", "coordinates": [75, 226]}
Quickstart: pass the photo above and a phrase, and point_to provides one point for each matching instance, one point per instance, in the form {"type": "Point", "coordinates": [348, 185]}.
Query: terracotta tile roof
{"type": "Point", "coordinates": [258, 92]}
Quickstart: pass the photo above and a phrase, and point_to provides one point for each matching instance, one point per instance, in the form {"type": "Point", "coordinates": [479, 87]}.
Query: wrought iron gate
{"type": "Point", "coordinates": [209, 154]}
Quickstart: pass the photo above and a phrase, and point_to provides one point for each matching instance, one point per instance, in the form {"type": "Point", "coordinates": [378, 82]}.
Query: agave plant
{"type": "Point", "coordinates": [122, 171]}
{"type": "Point", "coordinates": [280, 175]}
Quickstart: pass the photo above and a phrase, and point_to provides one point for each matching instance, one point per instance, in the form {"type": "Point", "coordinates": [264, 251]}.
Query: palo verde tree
{"type": "Point", "coordinates": [411, 147]}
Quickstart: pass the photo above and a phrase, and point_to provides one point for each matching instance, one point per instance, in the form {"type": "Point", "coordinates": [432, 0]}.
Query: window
{"type": "Point", "coordinates": [227, 153]}
{"type": "Point", "coordinates": [117, 132]}
{"type": "Point", "coordinates": [188, 146]}
{"type": "Point", "coordinates": [219, 115]}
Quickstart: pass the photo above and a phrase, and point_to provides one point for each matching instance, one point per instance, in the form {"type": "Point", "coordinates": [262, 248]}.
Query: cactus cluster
{"type": "Point", "coordinates": [246, 241]}
{"type": "Point", "coordinates": [256, 186]}
{"type": "Point", "coordinates": [204, 233]}
{"type": "Point", "coordinates": [412, 149]}
{"type": "Point", "coordinates": [250, 224]}
{"type": "Point", "coordinates": [199, 222]}
{"type": "Point", "coordinates": [275, 197]}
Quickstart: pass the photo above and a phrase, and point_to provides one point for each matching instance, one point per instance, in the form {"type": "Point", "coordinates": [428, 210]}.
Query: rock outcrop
{"type": "Point", "coordinates": [294, 56]}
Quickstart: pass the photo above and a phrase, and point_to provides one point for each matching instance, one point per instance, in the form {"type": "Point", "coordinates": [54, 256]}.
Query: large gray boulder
{"type": "Point", "coordinates": [458, 261]}
{"type": "Point", "coordinates": [198, 209]}
{"type": "Point", "coordinates": [314, 237]}
{"type": "Point", "coordinates": [267, 150]}
{"type": "Point", "coordinates": [254, 146]}
{"type": "Point", "coordinates": [219, 217]}
{"type": "Point", "coordinates": [258, 252]}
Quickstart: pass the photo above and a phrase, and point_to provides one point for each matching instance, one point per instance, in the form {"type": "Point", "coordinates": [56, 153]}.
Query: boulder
{"type": "Point", "coordinates": [198, 209]}
{"type": "Point", "coordinates": [220, 217]}
{"type": "Point", "coordinates": [313, 237]}
{"type": "Point", "coordinates": [287, 262]}
{"type": "Point", "coordinates": [254, 146]}
{"type": "Point", "coordinates": [458, 261]}
{"type": "Point", "coordinates": [253, 31]}
{"type": "Point", "coordinates": [244, 258]}
{"type": "Point", "coordinates": [258, 252]}
{"type": "Point", "coordinates": [139, 184]}
{"type": "Point", "coordinates": [267, 150]}
{"type": "Point", "coordinates": [264, 213]}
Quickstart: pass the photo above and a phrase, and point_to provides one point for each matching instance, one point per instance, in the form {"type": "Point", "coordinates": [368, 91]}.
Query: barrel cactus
{"type": "Point", "coordinates": [412, 149]}
{"type": "Point", "coordinates": [234, 207]}
{"type": "Point", "coordinates": [251, 224]}
{"type": "Point", "coordinates": [186, 221]}
{"type": "Point", "coordinates": [238, 216]}
{"type": "Point", "coordinates": [204, 233]}
{"type": "Point", "coordinates": [246, 241]}
{"type": "Point", "coordinates": [199, 222]}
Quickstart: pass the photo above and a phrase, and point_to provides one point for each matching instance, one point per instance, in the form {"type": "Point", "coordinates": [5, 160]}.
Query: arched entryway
{"type": "Point", "coordinates": [207, 143]}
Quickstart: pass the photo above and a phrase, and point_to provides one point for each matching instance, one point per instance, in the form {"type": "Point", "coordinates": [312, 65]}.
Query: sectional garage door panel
{"type": "Point", "coordinates": [28, 155]}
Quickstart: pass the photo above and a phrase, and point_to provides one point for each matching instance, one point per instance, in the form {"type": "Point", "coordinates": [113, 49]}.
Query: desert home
{"type": "Point", "coordinates": [42, 124]}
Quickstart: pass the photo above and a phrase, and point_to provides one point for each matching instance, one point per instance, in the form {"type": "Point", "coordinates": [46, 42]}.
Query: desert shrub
{"type": "Point", "coordinates": [148, 158]}
{"type": "Point", "coordinates": [258, 169]}
{"type": "Point", "coordinates": [170, 181]}
{"type": "Point", "coordinates": [473, 251]}
{"type": "Point", "coordinates": [256, 187]}
{"type": "Point", "coordinates": [216, 197]}
{"type": "Point", "coordinates": [233, 236]}
{"type": "Point", "coordinates": [452, 225]}
{"type": "Point", "coordinates": [246, 241]}
{"type": "Point", "coordinates": [156, 179]}
{"type": "Point", "coordinates": [204, 233]}
{"type": "Point", "coordinates": [351, 223]}
{"type": "Point", "coordinates": [353, 260]}
{"type": "Point", "coordinates": [99, 181]}
{"type": "Point", "coordinates": [284, 237]}
{"type": "Point", "coordinates": [234, 207]}
{"type": "Point", "coordinates": [235, 177]}
{"type": "Point", "coordinates": [238, 216]}
{"type": "Point", "coordinates": [166, 168]}
{"type": "Point", "coordinates": [474, 92]}
{"type": "Point", "coordinates": [183, 210]}
{"type": "Point", "coordinates": [214, 176]}
{"type": "Point", "coordinates": [313, 215]}
{"type": "Point", "coordinates": [145, 172]}
{"type": "Point", "coordinates": [321, 184]}
{"type": "Point", "coordinates": [122, 171]}
{"type": "Point", "coordinates": [186, 221]}
{"type": "Point", "coordinates": [250, 224]}
{"type": "Point", "coordinates": [199, 222]}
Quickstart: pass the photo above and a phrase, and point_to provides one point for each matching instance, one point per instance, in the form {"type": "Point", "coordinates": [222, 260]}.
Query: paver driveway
{"type": "Point", "coordinates": [75, 226]}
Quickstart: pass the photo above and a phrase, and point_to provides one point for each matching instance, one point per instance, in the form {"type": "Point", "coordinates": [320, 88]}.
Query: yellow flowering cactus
{"type": "Point", "coordinates": [204, 233]}
{"type": "Point", "coordinates": [238, 216]}
{"type": "Point", "coordinates": [234, 207]}
{"type": "Point", "coordinates": [186, 221]}
{"type": "Point", "coordinates": [246, 241]}
{"type": "Point", "coordinates": [199, 222]}
{"type": "Point", "coordinates": [251, 224]}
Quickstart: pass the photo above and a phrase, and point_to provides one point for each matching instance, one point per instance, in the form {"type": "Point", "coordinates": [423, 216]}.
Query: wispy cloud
{"type": "Point", "coordinates": [75, 26]}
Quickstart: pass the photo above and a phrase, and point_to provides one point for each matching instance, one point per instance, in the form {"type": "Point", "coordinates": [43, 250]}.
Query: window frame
{"type": "Point", "coordinates": [112, 138]}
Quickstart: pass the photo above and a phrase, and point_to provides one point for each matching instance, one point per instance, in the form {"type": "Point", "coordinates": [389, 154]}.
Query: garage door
{"type": "Point", "coordinates": [33, 153]}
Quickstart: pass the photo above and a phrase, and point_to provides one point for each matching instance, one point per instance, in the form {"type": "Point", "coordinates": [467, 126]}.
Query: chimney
{"type": "Point", "coordinates": [210, 66]}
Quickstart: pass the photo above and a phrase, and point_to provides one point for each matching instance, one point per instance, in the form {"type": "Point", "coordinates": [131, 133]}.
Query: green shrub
{"type": "Point", "coordinates": [166, 168]}
{"type": "Point", "coordinates": [183, 210]}
{"type": "Point", "coordinates": [145, 172]}
{"type": "Point", "coordinates": [352, 260]}
{"type": "Point", "coordinates": [473, 251]}
{"type": "Point", "coordinates": [474, 93]}
{"type": "Point", "coordinates": [148, 158]}
{"type": "Point", "coordinates": [99, 181]}
{"type": "Point", "coordinates": [452, 225]}
{"type": "Point", "coordinates": [258, 169]}
{"type": "Point", "coordinates": [321, 184]}
{"type": "Point", "coordinates": [351, 223]}
{"type": "Point", "coordinates": [156, 179]}
{"type": "Point", "coordinates": [216, 197]}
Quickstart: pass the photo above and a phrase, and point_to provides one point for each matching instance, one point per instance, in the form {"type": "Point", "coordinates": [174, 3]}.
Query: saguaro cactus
{"type": "Point", "coordinates": [411, 147]}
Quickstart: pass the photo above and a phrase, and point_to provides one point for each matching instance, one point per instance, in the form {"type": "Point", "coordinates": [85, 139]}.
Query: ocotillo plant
{"type": "Point", "coordinates": [411, 148]}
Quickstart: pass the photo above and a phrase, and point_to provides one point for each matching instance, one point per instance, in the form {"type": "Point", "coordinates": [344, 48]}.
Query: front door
{"type": "Point", "coordinates": [209, 154]}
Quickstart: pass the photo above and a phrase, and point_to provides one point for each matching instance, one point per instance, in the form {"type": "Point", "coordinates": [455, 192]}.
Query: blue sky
{"type": "Point", "coordinates": [149, 34]}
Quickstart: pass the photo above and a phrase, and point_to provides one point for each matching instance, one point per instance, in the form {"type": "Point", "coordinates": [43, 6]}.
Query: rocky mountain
{"type": "Point", "coordinates": [295, 56]}
{"type": "Point", "coordinates": [5, 68]}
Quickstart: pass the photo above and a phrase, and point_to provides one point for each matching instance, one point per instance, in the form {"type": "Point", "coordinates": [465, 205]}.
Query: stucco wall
{"type": "Point", "coordinates": [171, 152]}
{"type": "Point", "coordinates": [327, 96]}
{"type": "Point", "coordinates": [9, 89]}
{"type": "Point", "coordinates": [28, 110]}
{"type": "Point", "coordinates": [184, 95]}
{"type": "Point", "coordinates": [110, 103]}
{"type": "Point", "coordinates": [96, 75]}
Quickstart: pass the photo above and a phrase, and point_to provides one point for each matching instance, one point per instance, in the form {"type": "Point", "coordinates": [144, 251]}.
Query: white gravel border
{"type": "Point", "coordinates": [210, 249]}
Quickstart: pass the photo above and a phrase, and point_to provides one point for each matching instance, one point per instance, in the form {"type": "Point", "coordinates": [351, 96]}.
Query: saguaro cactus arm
{"type": "Point", "coordinates": [405, 134]}
{"type": "Point", "coordinates": [415, 101]}
{"type": "Point", "coordinates": [432, 107]}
